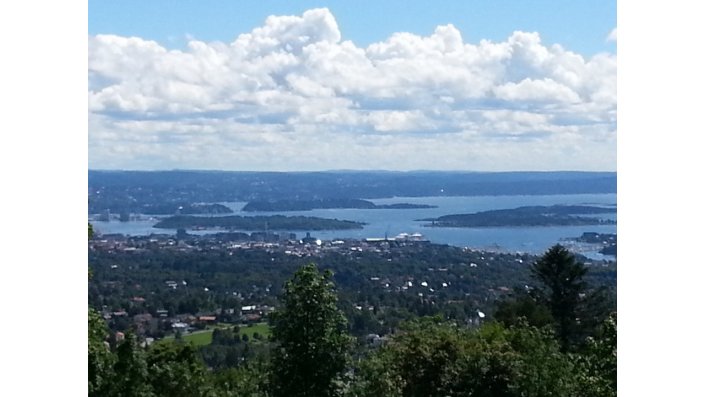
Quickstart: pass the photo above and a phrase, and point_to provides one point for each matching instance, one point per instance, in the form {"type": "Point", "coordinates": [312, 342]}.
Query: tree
{"type": "Point", "coordinates": [524, 306]}
{"type": "Point", "coordinates": [244, 381]}
{"type": "Point", "coordinates": [519, 361]}
{"type": "Point", "coordinates": [563, 290]}
{"type": "Point", "coordinates": [130, 371]}
{"type": "Point", "coordinates": [427, 356]}
{"type": "Point", "coordinates": [598, 364]}
{"type": "Point", "coordinates": [311, 336]}
{"type": "Point", "coordinates": [175, 369]}
{"type": "Point", "coordinates": [100, 358]}
{"type": "Point", "coordinates": [433, 359]}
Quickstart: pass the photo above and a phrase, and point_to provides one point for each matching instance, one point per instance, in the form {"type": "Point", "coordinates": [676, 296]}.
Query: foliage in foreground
{"type": "Point", "coordinates": [427, 357]}
{"type": "Point", "coordinates": [100, 358]}
{"type": "Point", "coordinates": [598, 364]}
{"type": "Point", "coordinates": [441, 359]}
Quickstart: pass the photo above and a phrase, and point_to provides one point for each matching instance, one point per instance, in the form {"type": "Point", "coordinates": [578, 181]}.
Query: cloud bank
{"type": "Point", "coordinates": [294, 95]}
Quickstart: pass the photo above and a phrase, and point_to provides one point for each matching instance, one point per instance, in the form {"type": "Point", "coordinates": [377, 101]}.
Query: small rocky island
{"type": "Point", "coordinates": [556, 215]}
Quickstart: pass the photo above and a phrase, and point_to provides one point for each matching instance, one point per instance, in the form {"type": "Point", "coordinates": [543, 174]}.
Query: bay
{"type": "Point", "coordinates": [391, 222]}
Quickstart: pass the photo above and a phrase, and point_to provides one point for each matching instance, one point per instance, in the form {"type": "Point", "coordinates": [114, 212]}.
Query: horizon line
{"type": "Point", "coordinates": [344, 170]}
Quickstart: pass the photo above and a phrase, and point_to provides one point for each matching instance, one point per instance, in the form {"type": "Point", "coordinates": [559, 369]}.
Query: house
{"type": "Point", "coordinates": [187, 318]}
{"type": "Point", "coordinates": [375, 340]}
{"type": "Point", "coordinates": [252, 318]}
{"type": "Point", "coordinates": [207, 319]}
{"type": "Point", "coordinates": [265, 309]}
{"type": "Point", "coordinates": [179, 326]}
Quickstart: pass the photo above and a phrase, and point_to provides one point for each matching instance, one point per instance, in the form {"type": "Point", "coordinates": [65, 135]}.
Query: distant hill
{"type": "Point", "coordinates": [131, 191]}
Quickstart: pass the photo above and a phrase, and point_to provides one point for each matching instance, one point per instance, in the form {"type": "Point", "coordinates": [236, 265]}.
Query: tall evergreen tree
{"type": "Point", "coordinates": [311, 333]}
{"type": "Point", "coordinates": [564, 291]}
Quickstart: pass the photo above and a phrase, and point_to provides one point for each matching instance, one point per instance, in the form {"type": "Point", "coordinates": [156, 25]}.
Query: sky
{"type": "Point", "coordinates": [284, 86]}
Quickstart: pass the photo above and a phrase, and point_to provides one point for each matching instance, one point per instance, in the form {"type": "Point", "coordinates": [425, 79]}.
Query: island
{"type": "Point", "coordinates": [274, 222]}
{"type": "Point", "coordinates": [327, 203]}
{"type": "Point", "coordinates": [556, 215]}
{"type": "Point", "coordinates": [185, 209]}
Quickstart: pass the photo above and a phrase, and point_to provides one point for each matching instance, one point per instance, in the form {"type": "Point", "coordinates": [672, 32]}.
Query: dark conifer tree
{"type": "Point", "coordinates": [564, 291]}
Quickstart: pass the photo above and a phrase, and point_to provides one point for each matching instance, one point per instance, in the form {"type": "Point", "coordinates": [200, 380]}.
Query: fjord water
{"type": "Point", "coordinates": [391, 222]}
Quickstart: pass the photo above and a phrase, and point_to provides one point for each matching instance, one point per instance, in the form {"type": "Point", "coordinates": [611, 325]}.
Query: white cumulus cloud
{"type": "Point", "coordinates": [293, 94]}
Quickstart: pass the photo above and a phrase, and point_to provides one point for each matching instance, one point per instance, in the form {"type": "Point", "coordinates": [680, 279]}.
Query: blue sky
{"type": "Point", "coordinates": [461, 85]}
{"type": "Point", "coordinates": [581, 25]}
